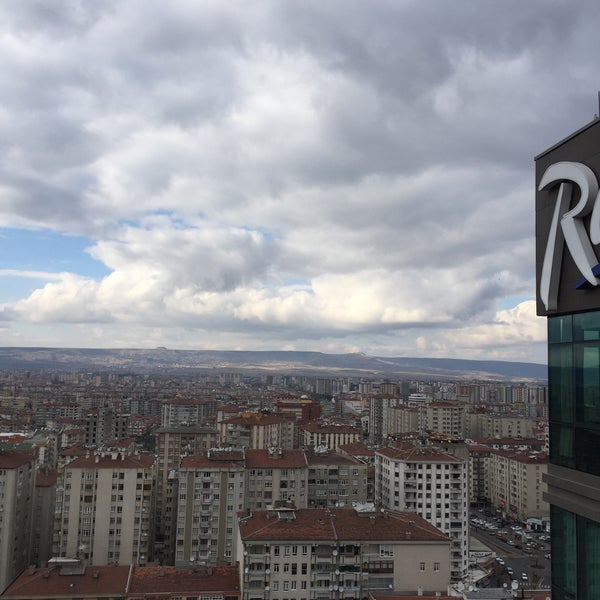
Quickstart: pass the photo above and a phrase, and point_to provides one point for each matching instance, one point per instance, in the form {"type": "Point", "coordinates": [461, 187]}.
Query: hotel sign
{"type": "Point", "coordinates": [568, 224]}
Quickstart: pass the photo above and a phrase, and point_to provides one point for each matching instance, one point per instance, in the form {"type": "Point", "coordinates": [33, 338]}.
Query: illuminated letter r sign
{"type": "Point", "coordinates": [567, 227]}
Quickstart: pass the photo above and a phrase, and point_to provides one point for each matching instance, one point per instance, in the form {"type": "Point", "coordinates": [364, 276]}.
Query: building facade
{"type": "Point", "coordinates": [341, 554]}
{"type": "Point", "coordinates": [432, 484]}
{"type": "Point", "coordinates": [17, 480]}
{"type": "Point", "coordinates": [172, 443]}
{"type": "Point", "coordinates": [104, 509]}
{"type": "Point", "coordinates": [211, 494]}
{"type": "Point", "coordinates": [568, 294]}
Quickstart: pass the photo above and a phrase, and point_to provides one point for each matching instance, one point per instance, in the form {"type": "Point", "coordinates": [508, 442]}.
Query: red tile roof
{"type": "Point", "coordinates": [260, 419]}
{"type": "Point", "coordinates": [261, 459]}
{"type": "Point", "coordinates": [12, 459]}
{"type": "Point", "coordinates": [338, 524]}
{"type": "Point", "coordinates": [157, 580]}
{"type": "Point", "coordinates": [106, 461]}
{"type": "Point", "coordinates": [46, 477]}
{"type": "Point", "coordinates": [50, 583]}
{"type": "Point", "coordinates": [330, 458]}
{"type": "Point", "coordinates": [200, 461]}
{"type": "Point", "coordinates": [331, 428]}
{"type": "Point", "coordinates": [418, 454]}
{"type": "Point", "coordinates": [357, 449]}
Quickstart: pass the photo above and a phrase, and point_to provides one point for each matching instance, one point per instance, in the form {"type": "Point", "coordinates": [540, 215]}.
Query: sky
{"type": "Point", "coordinates": [337, 176]}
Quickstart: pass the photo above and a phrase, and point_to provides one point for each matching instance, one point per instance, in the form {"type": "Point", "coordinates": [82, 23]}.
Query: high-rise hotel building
{"type": "Point", "coordinates": [568, 294]}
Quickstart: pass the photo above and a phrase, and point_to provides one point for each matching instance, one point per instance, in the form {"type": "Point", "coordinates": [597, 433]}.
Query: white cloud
{"type": "Point", "coordinates": [334, 177]}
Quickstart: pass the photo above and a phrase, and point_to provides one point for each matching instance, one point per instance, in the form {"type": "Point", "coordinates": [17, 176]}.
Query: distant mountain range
{"type": "Point", "coordinates": [307, 363]}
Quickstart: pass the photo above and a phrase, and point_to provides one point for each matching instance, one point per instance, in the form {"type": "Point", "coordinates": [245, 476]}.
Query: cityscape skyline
{"type": "Point", "coordinates": [337, 178]}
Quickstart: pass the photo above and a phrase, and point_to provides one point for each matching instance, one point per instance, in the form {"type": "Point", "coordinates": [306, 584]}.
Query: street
{"type": "Point", "coordinates": [530, 569]}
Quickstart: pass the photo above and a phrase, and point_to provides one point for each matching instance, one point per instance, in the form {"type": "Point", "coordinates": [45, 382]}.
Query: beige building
{"type": "Point", "coordinates": [274, 476]}
{"type": "Point", "coordinates": [488, 425]}
{"type": "Point", "coordinates": [104, 509]}
{"type": "Point", "coordinates": [335, 479]}
{"type": "Point", "coordinates": [339, 553]}
{"type": "Point", "coordinates": [404, 419]}
{"type": "Point", "coordinates": [211, 494]}
{"type": "Point", "coordinates": [258, 431]}
{"type": "Point", "coordinates": [516, 484]}
{"type": "Point", "coordinates": [432, 484]}
{"type": "Point", "coordinates": [447, 418]}
{"type": "Point", "coordinates": [17, 480]}
{"type": "Point", "coordinates": [380, 406]}
{"type": "Point", "coordinates": [171, 444]}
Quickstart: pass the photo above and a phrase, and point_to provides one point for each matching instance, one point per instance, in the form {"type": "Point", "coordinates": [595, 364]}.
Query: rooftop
{"type": "Point", "coordinates": [337, 524]}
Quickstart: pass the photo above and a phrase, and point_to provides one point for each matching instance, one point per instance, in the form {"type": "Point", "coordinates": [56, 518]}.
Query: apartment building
{"type": "Point", "coordinates": [210, 495]}
{"type": "Point", "coordinates": [479, 470]}
{"type": "Point", "coordinates": [499, 425]}
{"type": "Point", "coordinates": [275, 476]}
{"type": "Point", "coordinates": [258, 431]}
{"type": "Point", "coordinates": [431, 483]}
{"type": "Point", "coordinates": [104, 425]}
{"type": "Point", "coordinates": [171, 444]}
{"type": "Point", "coordinates": [379, 416]}
{"type": "Point", "coordinates": [404, 419]}
{"type": "Point", "coordinates": [335, 479]}
{"type": "Point", "coordinates": [516, 484]}
{"type": "Point", "coordinates": [43, 515]}
{"type": "Point", "coordinates": [180, 411]}
{"type": "Point", "coordinates": [17, 480]}
{"type": "Point", "coordinates": [328, 435]}
{"type": "Point", "coordinates": [105, 508]}
{"type": "Point", "coordinates": [339, 553]}
{"type": "Point", "coordinates": [447, 418]}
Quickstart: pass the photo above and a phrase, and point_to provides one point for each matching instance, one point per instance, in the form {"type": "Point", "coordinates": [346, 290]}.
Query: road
{"type": "Point", "coordinates": [535, 565]}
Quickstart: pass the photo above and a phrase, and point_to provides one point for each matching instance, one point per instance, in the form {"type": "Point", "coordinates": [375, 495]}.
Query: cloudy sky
{"type": "Point", "coordinates": [341, 176]}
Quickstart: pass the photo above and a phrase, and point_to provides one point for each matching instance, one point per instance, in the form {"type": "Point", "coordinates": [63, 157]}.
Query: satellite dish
{"type": "Point", "coordinates": [514, 585]}
{"type": "Point", "coordinates": [461, 586]}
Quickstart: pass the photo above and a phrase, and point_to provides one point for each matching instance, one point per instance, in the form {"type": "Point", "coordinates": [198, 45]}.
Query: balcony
{"type": "Point", "coordinates": [378, 566]}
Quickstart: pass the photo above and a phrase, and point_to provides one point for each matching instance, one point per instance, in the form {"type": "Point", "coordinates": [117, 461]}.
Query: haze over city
{"type": "Point", "coordinates": [338, 177]}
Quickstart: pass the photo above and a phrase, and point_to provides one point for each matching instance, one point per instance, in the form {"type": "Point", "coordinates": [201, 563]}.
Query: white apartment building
{"type": "Point", "coordinates": [339, 553]}
{"type": "Point", "coordinates": [432, 484]}
{"type": "Point", "coordinates": [210, 495]}
{"type": "Point", "coordinates": [17, 480]}
{"type": "Point", "coordinates": [329, 435]}
{"type": "Point", "coordinates": [104, 509]}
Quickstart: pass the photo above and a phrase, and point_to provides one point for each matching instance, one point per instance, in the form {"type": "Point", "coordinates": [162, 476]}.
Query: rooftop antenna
{"type": "Point", "coordinates": [598, 113]}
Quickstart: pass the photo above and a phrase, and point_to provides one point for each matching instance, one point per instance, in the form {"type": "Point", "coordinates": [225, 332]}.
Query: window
{"type": "Point", "coordinates": [386, 550]}
{"type": "Point", "coordinates": [436, 567]}
{"type": "Point", "coordinates": [422, 566]}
